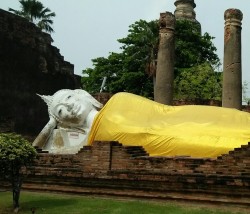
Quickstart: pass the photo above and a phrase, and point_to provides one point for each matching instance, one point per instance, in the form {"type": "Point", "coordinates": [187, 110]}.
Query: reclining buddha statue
{"type": "Point", "coordinates": [190, 130]}
{"type": "Point", "coordinates": [71, 114]}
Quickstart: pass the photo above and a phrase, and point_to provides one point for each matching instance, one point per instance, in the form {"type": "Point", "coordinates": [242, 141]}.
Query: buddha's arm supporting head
{"type": "Point", "coordinates": [45, 133]}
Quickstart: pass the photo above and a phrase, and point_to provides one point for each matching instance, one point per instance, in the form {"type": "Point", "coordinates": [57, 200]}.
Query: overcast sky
{"type": "Point", "coordinates": [87, 29]}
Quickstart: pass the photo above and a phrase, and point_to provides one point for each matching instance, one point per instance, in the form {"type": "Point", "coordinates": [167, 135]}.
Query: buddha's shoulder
{"type": "Point", "coordinates": [126, 95]}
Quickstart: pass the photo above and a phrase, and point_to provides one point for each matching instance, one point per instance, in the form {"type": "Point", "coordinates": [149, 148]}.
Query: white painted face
{"type": "Point", "coordinates": [71, 107]}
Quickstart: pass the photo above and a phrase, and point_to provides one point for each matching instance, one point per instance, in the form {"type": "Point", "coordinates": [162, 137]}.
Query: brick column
{"type": "Point", "coordinates": [185, 11]}
{"type": "Point", "coordinates": [163, 90]}
{"type": "Point", "coordinates": [232, 71]}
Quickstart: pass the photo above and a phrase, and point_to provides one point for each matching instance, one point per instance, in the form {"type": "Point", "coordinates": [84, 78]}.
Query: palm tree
{"type": "Point", "coordinates": [36, 13]}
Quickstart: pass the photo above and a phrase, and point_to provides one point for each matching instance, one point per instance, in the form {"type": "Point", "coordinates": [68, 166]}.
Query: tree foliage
{"type": "Point", "coordinates": [132, 69]}
{"type": "Point", "coordinates": [141, 45]}
{"type": "Point", "coordinates": [126, 71]}
{"type": "Point", "coordinates": [35, 12]}
{"type": "Point", "coordinates": [202, 78]}
{"type": "Point", "coordinates": [192, 48]}
{"type": "Point", "coordinates": [15, 152]}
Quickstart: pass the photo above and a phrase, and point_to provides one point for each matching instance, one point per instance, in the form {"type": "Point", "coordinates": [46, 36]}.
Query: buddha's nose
{"type": "Point", "coordinates": [70, 106]}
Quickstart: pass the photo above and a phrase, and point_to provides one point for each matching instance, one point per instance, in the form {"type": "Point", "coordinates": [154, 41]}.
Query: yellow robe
{"type": "Point", "coordinates": [193, 130]}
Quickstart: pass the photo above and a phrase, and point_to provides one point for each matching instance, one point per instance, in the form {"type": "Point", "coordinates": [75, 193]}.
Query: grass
{"type": "Point", "coordinates": [49, 203]}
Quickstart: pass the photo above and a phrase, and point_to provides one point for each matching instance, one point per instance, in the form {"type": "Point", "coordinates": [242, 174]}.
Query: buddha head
{"type": "Point", "coordinates": [71, 107]}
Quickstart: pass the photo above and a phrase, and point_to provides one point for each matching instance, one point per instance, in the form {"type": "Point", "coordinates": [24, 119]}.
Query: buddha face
{"type": "Point", "coordinates": [71, 107]}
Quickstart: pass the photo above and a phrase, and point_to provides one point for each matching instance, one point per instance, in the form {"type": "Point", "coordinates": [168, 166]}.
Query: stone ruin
{"type": "Point", "coordinates": [29, 64]}
{"type": "Point", "coordinates": [232, 70]}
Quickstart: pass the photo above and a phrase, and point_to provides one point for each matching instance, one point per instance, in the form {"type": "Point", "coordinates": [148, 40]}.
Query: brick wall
{"type": "Point", "coordinates": [110, 168]}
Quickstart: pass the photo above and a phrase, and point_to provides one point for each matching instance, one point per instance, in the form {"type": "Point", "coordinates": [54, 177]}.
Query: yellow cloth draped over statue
{"type": "Point", "coordinates": [193, 130]}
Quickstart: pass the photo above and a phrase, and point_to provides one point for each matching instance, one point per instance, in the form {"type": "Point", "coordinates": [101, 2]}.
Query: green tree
{"type": "Point", "coordinates": [133, 69]}
{"type": "Point", "coordinates": [15, 152]}
{"type": "Point", "coordinates": [130, 70]}
{"type": "Point", "coordinates": [198, 82]}
{"type": "Point", "coordinates": [141, 44]}
{"type": "Point", "coordinates": [36, 13]}
{"type": "Point", "coordinates": [110, 67]}
{"type": "Point", "coordinates": [195, 64]}
{"type": "Point", "coordinates": [192, 48]}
